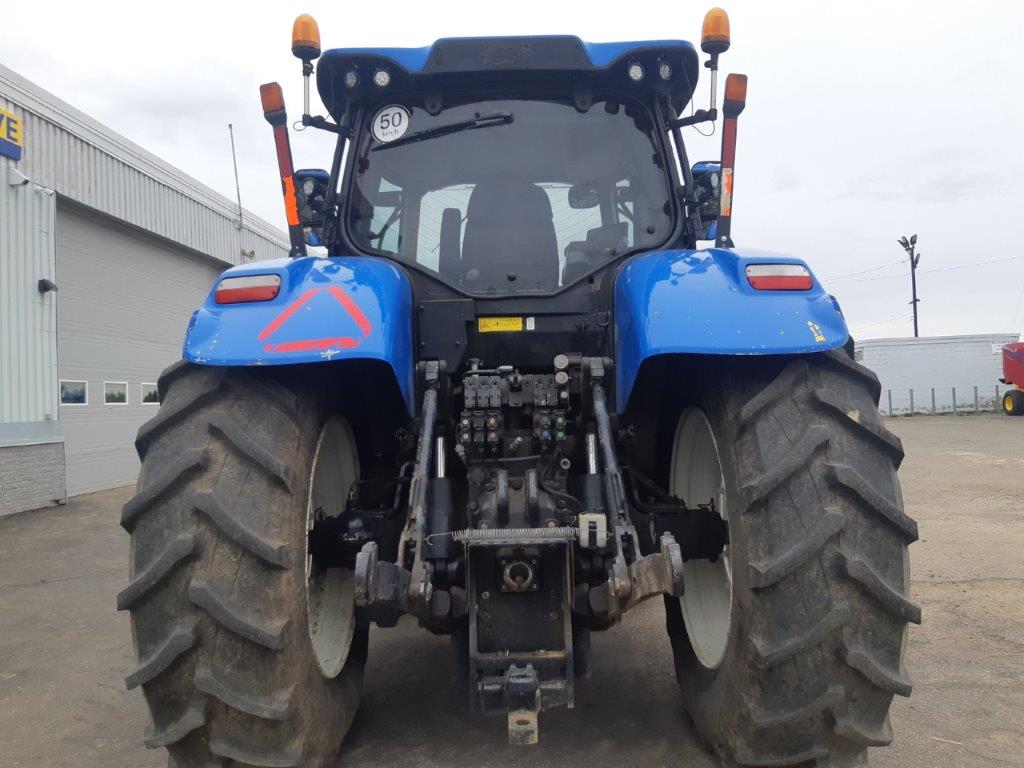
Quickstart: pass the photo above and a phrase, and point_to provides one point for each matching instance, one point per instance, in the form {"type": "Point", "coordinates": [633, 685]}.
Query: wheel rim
{"type": "Point", "coordinates": [696, 477]}
{"type": "Point", "coordinates": [330, 592]}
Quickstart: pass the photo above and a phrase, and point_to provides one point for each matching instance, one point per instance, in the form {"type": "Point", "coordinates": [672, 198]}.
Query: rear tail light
{"type": "Point", "coordinates": [235, 290]}
{"type": "Point", "coordinates": [779, 277]}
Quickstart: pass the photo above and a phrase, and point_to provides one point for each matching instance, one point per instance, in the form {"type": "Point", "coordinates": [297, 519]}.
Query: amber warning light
{"type": "Point", "coordinates": [714, 41]}
{"type": "Point", "coordinates": [306, 38]}
{"type": "Point", "coordinates": [714, 35]}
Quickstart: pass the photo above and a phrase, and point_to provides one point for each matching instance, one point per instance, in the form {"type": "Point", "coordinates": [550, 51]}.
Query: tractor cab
{"type": "Point", "coordinates": [508, 167]}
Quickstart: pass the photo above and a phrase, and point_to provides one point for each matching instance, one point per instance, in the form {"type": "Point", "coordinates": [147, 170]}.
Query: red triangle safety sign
{"type": "Point", "coordinates": [305, 345]}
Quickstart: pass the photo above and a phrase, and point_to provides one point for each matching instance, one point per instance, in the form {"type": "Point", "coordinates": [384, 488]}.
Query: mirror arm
{"type": "Point", "coordinates": [316, 121]}
{"type": "Point", "coordinates": [688, 197]}
{"type": "Point", "coordinates": [700, 116]}
{"type": "Point", "coordinates": [332, 225]}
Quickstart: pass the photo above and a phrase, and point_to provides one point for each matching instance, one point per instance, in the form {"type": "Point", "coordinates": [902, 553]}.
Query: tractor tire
{"type": "Point", "coordinates": [809, 651]}
{"type": "Point", "coordinates": [1013, 403]}
{"type": "Point", "coordinates": [220, 592]}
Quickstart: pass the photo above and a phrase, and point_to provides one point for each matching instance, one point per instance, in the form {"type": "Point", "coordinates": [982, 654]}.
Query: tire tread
{"type": "Point", "coordinates": [229, 428]}
{"type": "Point", "coordinates": [192, 718]}
{"type": "Point", "coordinates": [815, 439]}
{"type": "Point", "coordinates": [176, 411]}
{"type": "Point", "coordinates": [848, 478]}
{"type": "Point", "coordinates": [181, 639]}
{"type": "Point", "coordinates": [884, 594]}
{"type": "Point", "coordinates": [287, 758]}
{"type": "Point", "coordinates": [235, 619]}
{"type": "Point", "coordinates": [768, 573]}
{"type": "Point", "coordinates": [229, 522]}
{"type": "Point", "coordinates": [771, 654]}
{"type": "Point", "coordinates": [875, 672]}
{"type": "Point", "coordinates": [166, 481]}
{"type": "Point", "coordinates": [180, 548]}
{"type": "Point", "coordinates": [264, 707]}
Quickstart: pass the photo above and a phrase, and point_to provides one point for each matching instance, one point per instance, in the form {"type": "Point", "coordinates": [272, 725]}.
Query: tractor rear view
{"type": "Point", "coordinates": [516, 398]}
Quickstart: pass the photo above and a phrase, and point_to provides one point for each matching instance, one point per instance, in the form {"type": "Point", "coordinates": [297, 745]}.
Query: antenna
{"type": "Point", "coordinates": [238, 189]}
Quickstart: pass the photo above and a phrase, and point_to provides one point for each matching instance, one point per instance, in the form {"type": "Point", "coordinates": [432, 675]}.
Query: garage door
{"type": "Point", "coordinates": [123, 304]}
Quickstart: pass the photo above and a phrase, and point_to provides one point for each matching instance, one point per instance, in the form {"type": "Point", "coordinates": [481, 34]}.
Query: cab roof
{"type": "Point", "coordinates": [496, 63]}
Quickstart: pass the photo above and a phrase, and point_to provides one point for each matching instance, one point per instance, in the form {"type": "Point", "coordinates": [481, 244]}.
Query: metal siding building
{"type": "Point", "coordinates": [133, 246]}
{"type": "Point", "coordinates": [939, 363]}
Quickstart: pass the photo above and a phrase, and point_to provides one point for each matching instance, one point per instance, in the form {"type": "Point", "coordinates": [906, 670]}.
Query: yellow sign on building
{"type": "Point", "coordinates": [12, 136]}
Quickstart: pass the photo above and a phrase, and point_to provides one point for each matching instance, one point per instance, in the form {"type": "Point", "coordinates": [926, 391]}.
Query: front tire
{"type": "Point", "coordinates": [817, 566]}
{"type": "Point", "coordinates": [221, 593]}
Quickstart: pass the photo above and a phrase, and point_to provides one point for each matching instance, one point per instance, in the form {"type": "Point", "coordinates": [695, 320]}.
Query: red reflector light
{"type": "Point", "coordinates": [236, 290]}
{"type": "Point", "coordinates": [779, 277]}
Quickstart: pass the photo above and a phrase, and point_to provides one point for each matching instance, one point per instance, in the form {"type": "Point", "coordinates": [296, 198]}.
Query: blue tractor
{"type": "Point", "coordinates": [504, 385]}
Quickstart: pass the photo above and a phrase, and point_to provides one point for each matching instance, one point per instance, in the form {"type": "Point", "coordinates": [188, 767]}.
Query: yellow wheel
{"type": "Point", "coordinates": [1013, 403]}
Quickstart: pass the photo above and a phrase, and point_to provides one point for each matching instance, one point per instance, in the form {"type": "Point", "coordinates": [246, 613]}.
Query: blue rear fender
{"type": "Point", "coordinates": [699, 302]}
{"type": "Point", "coordinates": [342, 308]}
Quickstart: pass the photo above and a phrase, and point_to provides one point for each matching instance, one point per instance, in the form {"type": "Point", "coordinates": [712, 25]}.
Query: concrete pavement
{"type": "Point", "coordinates": [64, 649]}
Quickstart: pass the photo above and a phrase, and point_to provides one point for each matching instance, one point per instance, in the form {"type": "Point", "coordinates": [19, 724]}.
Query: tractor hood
{"type": "Point", "coordinates": [558, 63]}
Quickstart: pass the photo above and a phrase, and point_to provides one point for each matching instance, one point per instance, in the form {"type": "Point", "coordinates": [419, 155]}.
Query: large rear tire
{"type": "Point", "coordinates": [790, 649]}
{"type": "Point", "coordinates": [247, 654]}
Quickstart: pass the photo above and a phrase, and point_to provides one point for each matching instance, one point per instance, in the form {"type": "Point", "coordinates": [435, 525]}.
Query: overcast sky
{"type": "Point", "coordinates": [865, 121]}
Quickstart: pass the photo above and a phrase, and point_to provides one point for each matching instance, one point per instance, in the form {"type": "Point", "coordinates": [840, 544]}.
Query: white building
{"type": "Point", "coordinates": [929, 370]}
{"type": "Point", "coordinates": [105, 251]}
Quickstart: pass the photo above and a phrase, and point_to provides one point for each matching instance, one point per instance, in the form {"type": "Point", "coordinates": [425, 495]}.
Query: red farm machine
{"type": "Point", "coordinates": [1013, 374]}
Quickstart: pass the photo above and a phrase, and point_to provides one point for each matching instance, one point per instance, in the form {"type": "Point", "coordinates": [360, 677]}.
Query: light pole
{"type": "Point", "coordinates": [909, 246]}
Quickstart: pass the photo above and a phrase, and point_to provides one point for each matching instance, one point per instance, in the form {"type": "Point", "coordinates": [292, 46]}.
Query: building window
{"type": "Point", "coordinates": [150, 394]}
{"type": "Point", "coordinates": [115, 392]}
{"type": "Point", "coordinates": [74, 392]}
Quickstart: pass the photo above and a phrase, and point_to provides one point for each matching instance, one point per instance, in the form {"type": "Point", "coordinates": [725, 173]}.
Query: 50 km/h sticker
{"type": "Point", "coordinates": [390, 123]}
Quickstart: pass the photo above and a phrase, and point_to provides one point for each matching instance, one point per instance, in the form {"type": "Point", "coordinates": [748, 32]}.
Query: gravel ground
{"type": "Point", "coordinates": [64, 650]}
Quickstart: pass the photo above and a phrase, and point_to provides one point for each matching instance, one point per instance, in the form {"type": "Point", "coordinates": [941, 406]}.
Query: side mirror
{"type": "Point", "coordinates": [707, 192]}
{"type": "Point", "coordinates": [311, 194]}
